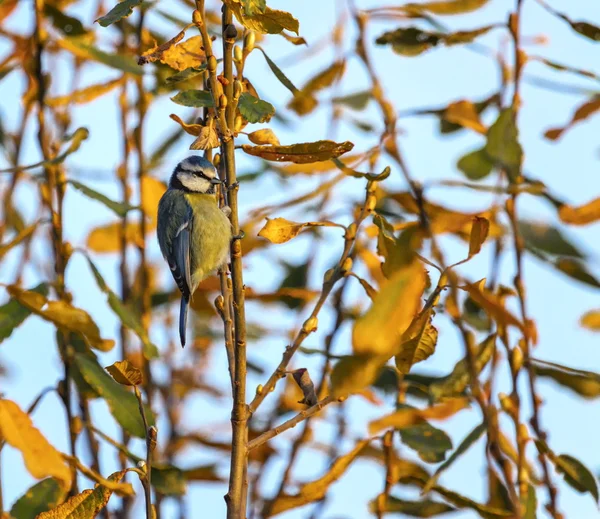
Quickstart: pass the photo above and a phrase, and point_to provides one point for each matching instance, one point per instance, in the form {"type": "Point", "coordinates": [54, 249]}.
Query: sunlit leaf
{"type": "Point", "coordinates": [13, 313]}
{"type": "Point", "coordinates": [252, 7]}
{"type": "Point", "coordinates": [503, 145]}
{"type": "Point", "coordinates": [41, 497]}
{"type": "Point", "coordinates": [119, 208]}
{"type": "Point", "coordinates": [420, 345]}
{"type": "Point", "coordinates": [63, 315]}
{"type": "Point", "coordinates": [581, 114]}
{"type": "Point", "coordinates": [303, 102]}
{"type": "Point", "coordinates": [41, 458]}
{"type": "Point", "coordinates": [152, 191]}
{"type": "Point", "coordinates": [458, 380]}
{"type": "Point", "coordinates": [207, 138]}
{"type": "Point", "coordinates": [122, 403]}
{"type": "Point", "coordinates": [255, 110]}
{"type": "Point", "coordinates": [118, 12]}
{"type": "Point", "coordinates": [530, 503]}
{"type": "Point", "coordinates": [125, 373]}
{"type": "Point", "coordinates": [589, 320]}
{"type": "Point", "coordinates": [301, 153]}
{"type": "Point", "coordinates": [581, 215]}
{"type": "Point", "coordinates": [107, 238]}
{"type": "Point", "coordinates": [80, 48]}
{"type": "Point", "coordinates": [465, 114]}
{"type": "Point", "coordinates": [479, 233]}
{"type": "Point", "coordinates": [492, 305]}
{"type": "Point", "coordinates": [476, 165]}
{"type": "Point", "coordinates": [280, 230]}
{"type": "Point", "coordinates": [583, 383]}
{"type": "Point", "coordinates": [269, 21]}
{"type": "Point", "coordinates": [445, 7]}
{"type": "Point", "coordinates": [263, 136]}
{"type": "Point", "coordinates": [315, 490]}
{"type": "Point", "coordinates": [425, 508]}
{"type": "Point", "coordinates": [6, 8]}
{"type": "Point", "coordinates": [353, 373]}
{"type": "Point", "coordinates": [469, 440]}
{"type": "Point", "coordinates": [85, 95]}
{"type": "Point", "coordinates": [183, 56]}
{"type": "Point", "coordinates": [194, 98]}
{"type": "Point", "coordinates": [23, 235]}
{"type": "Point", "coordinates": [85, 505]}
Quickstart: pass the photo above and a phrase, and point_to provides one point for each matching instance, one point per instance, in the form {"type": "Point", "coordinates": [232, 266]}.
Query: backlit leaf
{"type": "Point", "coordinates": [502, 144]}
{"type": "Point", "coordinates": [152, 191]}
{"type": "Point", "coordinates": [581, 215]}
{"type": "Point", "coordinates": [41, 458]}
{"type": "Point", "coordinates": [194, 98]}
{"type": "Point", "coordinates": [192, 129]}
{"type": "Point", "coordinates": [584, 111]}
{"type": "Point", "coordinates": [85, 95]}
{"type": "Point", "coordinates": [353, 373]}
{"type": "Point", "coordinates": [179, 56]}
{"type": "Point", "coordinates": [583, 383]}
{"type": "Point", "coordinates": [379, 330]}
{"type": "Point", "coordinates": [469, 440]}
{"type": "Point", "coordinates": [23, 235]}
{"type": "Point", "coordinates": [85, 505]}
{"type": "Point", "coordinates": [263, 137]}
{"type": "Point", "coordinates": [13, 313]}
{"type": "Point", "coordinates": [280, 230]}
{"type": "Point", "coordinates": [269, 21]}
{"type": "Point", "coordinates": [446, 7]}
{"type": "Point", "coordinates": [589, 320]}
{"type": "Point", "coordinates": [301, 153]}
{"type": "Point", "coordinates": [107, 238]}
{"type": "Point", "coordinates": [465, 114]}
{"type": "Point", "coordinates": [584, 28]}
{"type": "Point", "coordinates": [119, 208]}
{"type": "Point", "coordinates": [252, 7]}
{"type": "Point", "coordinates": [118, 12]}
{"type": "Point", "coordinates": [316, 490]}
{"type": "Point", "coordinates": [255, 110]}
{"type": "Point", "coordinates": [425, 508]}
{"type": "Point", "coordinates": [492, 305]}
{"type": "Point", "coordinates": [125, 373]}
{"type": "Point", "coordinates": [80, 48]}
{"type": "Point", "coordinates": [122, 403]}
{"type": "Point", "coordinates": [63, 315]}
{"type": "Point", "coordinates": [420, 345]}
{"type": "Point", "coordinates": [321, 80]}
{"type": "Point", "coordinates": [479, 233]}
{"type": "Point", "coordinates": [476, 165]}
{"type": "Point", "coordinates": [41, 497]}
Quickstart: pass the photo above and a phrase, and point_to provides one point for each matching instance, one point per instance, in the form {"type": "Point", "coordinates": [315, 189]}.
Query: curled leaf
{"type": "Point", "coordinates": [301, 153]}
{"type": "Point", "coordinates": [125, 373]}
{"type": "Point", "coordinates": [302, 378]}
{"type": "Point", "coordinates": [264, 136]}
{"type": "Point", "coordinates": [479, 233]}
{"type": "Point", "coordinates": [280, 230]}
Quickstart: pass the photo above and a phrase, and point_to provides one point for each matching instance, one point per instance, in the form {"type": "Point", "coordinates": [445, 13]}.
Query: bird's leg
{"type": "Point", "coordinates": [233, 186]}
{"type": "Point", "coordinates": [238, 236]}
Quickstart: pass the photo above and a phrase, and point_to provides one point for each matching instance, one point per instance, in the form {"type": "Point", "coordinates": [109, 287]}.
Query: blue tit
{"type": "Point", "coordinates": [194, 234]}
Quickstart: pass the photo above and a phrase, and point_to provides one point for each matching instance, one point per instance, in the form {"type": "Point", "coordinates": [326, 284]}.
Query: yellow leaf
{"type": "Point", "coordinates": [316, 490]}
{"type": "Point", "coordinates": [125, 373]}
{"type": "Point", "coordinates": [418, 343]}
{"type": "Point", "coordinates": [412, 416]}
{"type": "Point", "coordinates": [280, 230]}
{"type": "Point", "coordinates": [591, 320]}
{"type": "Point", "coordinates": [85, 95]}
{"type": "Point", "coordinates": [63, 315]}
{"type": "Point", "coordinates": [354, 373]}
{"type": "Point", "coordinates": [263, 136]}
{"type": "Point", "coordinates": [41, 458]}
{"type": "Point", "coordinates": [85, 505]}
{"type": "Point", "coordinates": [107, 238]}
{"type": "Point", "coordinates": [152, 191]}
{"type": "Point", "coordinates": [479, 233]}
{"type": "Point", "coordinates": [581, 215]}
{"type": "Point", "coordinates": [464, 113]}
{"type": "Point", "coordinates": [178, 56]}
{"type": "Point", "coordinates": [270, 21]}
{"type": "Point", "coordinates": [192, 129]}
{"type": "Point", "coordinates": [379, 330]}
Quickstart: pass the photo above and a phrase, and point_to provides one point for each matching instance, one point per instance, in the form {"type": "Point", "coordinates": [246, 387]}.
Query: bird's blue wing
{"type": "Point", "coordinates": [181, 258]}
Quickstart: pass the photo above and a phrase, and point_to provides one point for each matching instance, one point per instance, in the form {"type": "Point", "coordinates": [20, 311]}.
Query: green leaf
{"type": "Point", "coordinates": [255, 110]}
{"type": "Point", "coordinates": [502, 144]}
{"type": "Point", "coordinates": [469, 440]}
{"type": "Point", "coordinates": [546, 238]}
{"type": "Point", "coordinates": [80, 48]}
{"type": "Point", "coordinates": [586, 29]}
{"type": "Point", "coordinates": [577, 270]}
{"type": "Point", "coordinates": [66, 24]}
{"type": "Point", "coordinates": [13, 313]}
{"type": "Point", "coordinates": [194, 98]}
{"type": "Point", "coordinates": [119, 208]}
{"type": "Point", "coordinates": [354, 373]}
{"type": "Point", "coordinates": [530, 503]}
{"type": "Point", "coordinates": [127, 317]}
{"type": "Point", "coordinates": [283, 79]}
{"type": "Point", "coordinates": [425, 508]}
{"type": "Point", "coordinates": [122, 403]}
{"type": "Point", "coordinates": [460, 501]}
{"type": "Point", "coordinates": [188, 73]}
{"type": "Point", "coordinates": [583, 383]}
{"type": "Point", "coordinates": [252, 7]}
{"type": "Point", "coordinates": [356, 101]}
{"type": "Point", "coordinates": [458, 380]}
{"type": "Point", "coordinates": [119, 11]}
{"type": "Point", "coordinates": [300, 153]}
{"type": "Point", "coordinates": [445, 7]}
{"type": "Point", "coordinates": [41, 497]}
{"type": "Point", "coordinates": [428, 441]}
{"type": "Point", "coordinates": [168, 480]}
{"type": "Point", "coordinates": [577, 475]}
{"type": "Point", "coordinates": [475, 165]}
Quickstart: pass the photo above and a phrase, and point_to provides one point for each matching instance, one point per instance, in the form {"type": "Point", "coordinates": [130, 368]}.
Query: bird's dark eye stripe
{"type": "Point", "coordinates": [197, 173]}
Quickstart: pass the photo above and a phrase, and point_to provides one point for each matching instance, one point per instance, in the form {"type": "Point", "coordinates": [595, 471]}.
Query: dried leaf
{"type": "Point", "coordinates": [302, 378]}
{"type": "Point", "coordinates": [125, 373]}
{"type": "Point", "coordinates": [192, 129]}
{"type": "Point", "coordinates": [118, 12]}
{"type": "Point", "coordinates": [379, 330]}
{"type": "Point", "coordinates": [194, 99]}
{"type": "Point", "coordinates": [301, 153]}
{"type": "Point", "coordinates": [280, 230]}
{"type": "Point", "coordinates": [502, 144]}
{"type": "Point", "coordinates": [6, 8]}
{"type": "Point", "coordinates": [41, 497]}
{"type": "Point", "coordinates": [41, 458]}
{"type": "Point", "coordinates": [583, 383]}
{"type": "Point", "coordinates": [122, 403]}
{"type": "Point", "coordinates": [587, 109]}
{"type": "Point", "coordinates": [265, 136]}
{"type": "Point", "coordinates": [156, 53]}
{"type": "Point", "coordinates": [255, 110]}
{"type": "Point", "coordinates": [581, 215]}
{"type": "Point", "coordinates": [207, 139]}
{"type": "Point", "coordinates": [589, 320]}
{"type": "Point", "coordinates": [119, 208]}
{"type": "Point", "coordinates": [85, 95]}
{"type": "Point", "coordinates": [63, 315]}
{"type": "Point", "coordinates": [85, 505]}
{"type": "Point", "coordinates": [479, 233]}
{"type": "Point", "coordinates": [13, 313]}
{"type": "Point", "coordinates": [315, 490]}
{"type": "Point", "coordinates": [464, 114]}
{"type": "Point", "coordinates": [476, 165]}
{"type": "Point", "coordinates": [183, 56]}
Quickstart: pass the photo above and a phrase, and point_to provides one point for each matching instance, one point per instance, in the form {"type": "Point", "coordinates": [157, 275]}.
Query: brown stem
{"type": "Point", "coordinates": [149, 447]}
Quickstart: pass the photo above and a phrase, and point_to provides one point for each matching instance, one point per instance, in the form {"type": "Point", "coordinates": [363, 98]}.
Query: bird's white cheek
{"type": "Point", "coordinates": [194, 183]}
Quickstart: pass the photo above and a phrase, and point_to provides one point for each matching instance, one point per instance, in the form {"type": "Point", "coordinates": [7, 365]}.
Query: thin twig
{"type": "Point", "coordinates": [149, 447]}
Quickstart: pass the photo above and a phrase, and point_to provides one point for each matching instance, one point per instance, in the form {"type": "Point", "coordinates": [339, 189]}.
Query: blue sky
{"type": "Point", "coordinates": [569, 167]}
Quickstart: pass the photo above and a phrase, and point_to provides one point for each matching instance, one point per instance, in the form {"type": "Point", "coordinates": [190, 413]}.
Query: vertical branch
{"type": "Point", "coordinates": [388, 452]}
{"type": "Point", "coordinates": [55, 192]}
{"type": "Point", "coordinates": [150, 444]}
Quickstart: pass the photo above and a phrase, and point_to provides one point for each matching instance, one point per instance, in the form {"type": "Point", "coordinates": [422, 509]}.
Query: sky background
{"type": "Point", "coordinates": [569, 167]}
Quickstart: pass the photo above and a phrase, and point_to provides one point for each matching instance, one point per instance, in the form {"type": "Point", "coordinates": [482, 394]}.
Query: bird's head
{"type": "Point", "coordinates": [195, 174]}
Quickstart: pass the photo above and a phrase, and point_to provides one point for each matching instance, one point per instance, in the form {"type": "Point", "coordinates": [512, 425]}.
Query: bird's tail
{"type": "Point", "coordinates": [183, 319]}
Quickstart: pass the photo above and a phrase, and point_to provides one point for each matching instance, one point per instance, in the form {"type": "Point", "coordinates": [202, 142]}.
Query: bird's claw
{"type": "Point", "coordinates": [239, 236]}
{"type": "Point", "coordinates": [233, 186]}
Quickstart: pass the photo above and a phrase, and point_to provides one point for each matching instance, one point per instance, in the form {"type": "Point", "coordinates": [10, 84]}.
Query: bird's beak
{"type": "Point", "coordinates": [216, 181]}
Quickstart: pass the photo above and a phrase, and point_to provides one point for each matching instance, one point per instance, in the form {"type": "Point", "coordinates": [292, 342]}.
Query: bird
{"type": "Point", "coordinates": [194, 234]}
